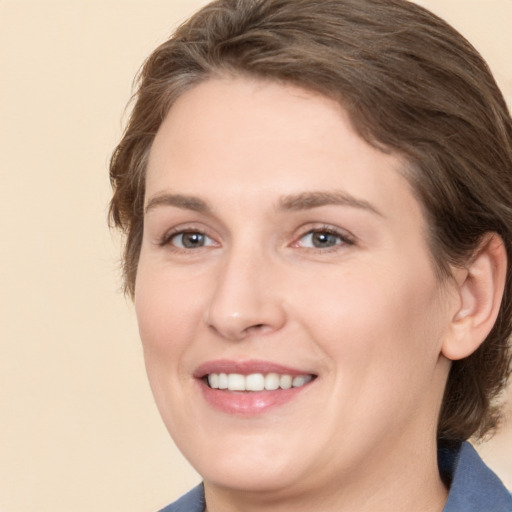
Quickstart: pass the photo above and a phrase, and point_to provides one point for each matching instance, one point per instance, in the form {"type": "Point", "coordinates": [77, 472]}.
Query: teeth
{"type": "Point", "coordinates": [299, 381]}
{"type": "Point", "coordinates": [213, 380]}
{"type": "Point", "coordinates": [236, 382]}
{"type": "Point", "coordinates": [223, 381]}
{"type": "Point", "coordinates": [272, 382]}
{"type": "Point", "coordinates": [256, 381]}
{"type": "Point", "coordinates": [285, 382]}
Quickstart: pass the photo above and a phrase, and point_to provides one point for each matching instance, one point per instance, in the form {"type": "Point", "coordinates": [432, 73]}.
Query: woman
{"type": "Point", "coordinates": [316, 200]}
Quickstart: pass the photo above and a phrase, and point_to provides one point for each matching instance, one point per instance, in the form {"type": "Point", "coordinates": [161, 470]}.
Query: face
{"type": "Point", "coordinates": [287, 303]}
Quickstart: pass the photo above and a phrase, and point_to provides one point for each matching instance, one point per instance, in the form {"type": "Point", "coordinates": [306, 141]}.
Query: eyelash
{"type": "Point", "coordinates": [344, 239]}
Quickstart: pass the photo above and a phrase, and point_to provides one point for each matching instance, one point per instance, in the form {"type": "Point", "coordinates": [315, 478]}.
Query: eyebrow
{"type": "Point", "coordinates": [179, 201]}
{"type": "Point", "coordinates": [294, 202]}
{"type": "Point", "coordinates": [309, 200]}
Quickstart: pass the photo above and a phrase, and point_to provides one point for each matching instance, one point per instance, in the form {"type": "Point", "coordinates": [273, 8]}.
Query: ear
{"type": "Point", "coordinates": [480, 287]}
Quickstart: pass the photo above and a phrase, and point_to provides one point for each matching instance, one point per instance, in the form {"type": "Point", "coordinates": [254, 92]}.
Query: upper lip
{"type": "Point", "coordinates": [245, 368]}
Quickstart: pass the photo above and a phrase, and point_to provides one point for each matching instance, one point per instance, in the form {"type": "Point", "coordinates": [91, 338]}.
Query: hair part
{"type": "Point", "coordinates": [410, 84]}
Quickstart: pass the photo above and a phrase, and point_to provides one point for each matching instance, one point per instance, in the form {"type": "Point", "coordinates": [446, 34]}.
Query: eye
{"type": "Point", "coordinates": [190, 240]}
{"type": "Point", "coordinates": [324, 239]}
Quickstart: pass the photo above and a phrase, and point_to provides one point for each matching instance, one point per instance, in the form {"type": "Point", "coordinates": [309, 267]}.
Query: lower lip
{"type": "Point", "coordinates": [249, 403]}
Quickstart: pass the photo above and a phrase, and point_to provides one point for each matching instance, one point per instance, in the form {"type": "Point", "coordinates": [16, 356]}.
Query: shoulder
{"type": "Point", "coordinates": [193, 501]}
{"type": "Point", "coordinates": [474, 487]}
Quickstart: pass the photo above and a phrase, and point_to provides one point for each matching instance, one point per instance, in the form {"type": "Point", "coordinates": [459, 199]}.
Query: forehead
{"type": "Point", "coordinates": [257, 140]}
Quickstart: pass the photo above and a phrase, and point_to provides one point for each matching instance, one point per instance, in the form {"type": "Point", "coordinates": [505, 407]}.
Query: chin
{"type": "Point", "coordinates": [261, 479]}
{"type": "Point", "coordinates": [258, 466]}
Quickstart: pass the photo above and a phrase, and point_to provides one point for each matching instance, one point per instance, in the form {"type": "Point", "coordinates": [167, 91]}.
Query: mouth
{"type": "Point", "coordinates": [250, 388]}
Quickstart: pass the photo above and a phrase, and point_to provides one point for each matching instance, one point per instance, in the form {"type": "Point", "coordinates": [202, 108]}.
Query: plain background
{"type": "Point", "coordinates": [78, 427]}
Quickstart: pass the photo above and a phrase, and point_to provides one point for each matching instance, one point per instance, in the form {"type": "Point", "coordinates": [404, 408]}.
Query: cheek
{"type": "Point", "coordinates": [377, 320]}
{"type": "Point", "coordinates": [167, 319]}
{"type": "Point", "coordinates": [167, 312]}
{"type": "Point", "coordinates": [382, 336]}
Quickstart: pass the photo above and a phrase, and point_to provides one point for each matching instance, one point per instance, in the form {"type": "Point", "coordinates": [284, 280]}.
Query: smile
{"type": "Point", "coordinates": [256, 381]}
{"type": "Point", "coordinates": [251, 387]}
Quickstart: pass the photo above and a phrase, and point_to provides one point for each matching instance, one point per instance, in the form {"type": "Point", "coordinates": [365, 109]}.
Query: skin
{"type": "Point", "coordinates": [364, 313]}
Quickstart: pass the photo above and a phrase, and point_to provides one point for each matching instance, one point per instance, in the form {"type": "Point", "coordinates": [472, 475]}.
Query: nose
{"type": "Point", "coordinates": [245, 299]}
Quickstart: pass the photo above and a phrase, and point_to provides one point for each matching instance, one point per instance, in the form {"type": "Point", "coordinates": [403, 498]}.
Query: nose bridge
{"type": "Point", "coordinates": [244, 299]}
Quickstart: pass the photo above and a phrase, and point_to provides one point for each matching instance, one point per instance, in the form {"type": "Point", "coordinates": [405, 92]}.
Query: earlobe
{"type": "Point", "coordinates": [480, 290]}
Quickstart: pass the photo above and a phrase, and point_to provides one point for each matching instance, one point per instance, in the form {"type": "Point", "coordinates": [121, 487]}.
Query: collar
{"type": "Point", "coordinates": [473, 486]}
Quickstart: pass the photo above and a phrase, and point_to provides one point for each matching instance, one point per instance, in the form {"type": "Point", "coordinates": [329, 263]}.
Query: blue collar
{"type": "Point", "coordinates": [473, 486]}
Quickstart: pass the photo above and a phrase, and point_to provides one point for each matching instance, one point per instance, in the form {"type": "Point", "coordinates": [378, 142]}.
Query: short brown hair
{"type": "Point", "coordinates": [410, 83]}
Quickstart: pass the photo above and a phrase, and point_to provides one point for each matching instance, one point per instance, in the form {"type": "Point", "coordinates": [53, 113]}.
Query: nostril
{"type": "Point", "coordinates": [257, 327]}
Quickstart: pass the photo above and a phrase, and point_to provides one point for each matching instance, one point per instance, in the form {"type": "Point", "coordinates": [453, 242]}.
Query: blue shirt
{"type": "Point", "coordinates": [473, 487]}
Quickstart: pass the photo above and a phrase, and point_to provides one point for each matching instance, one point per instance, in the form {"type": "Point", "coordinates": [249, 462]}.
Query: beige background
{"type": "Point", "coordinates": [78, 429]}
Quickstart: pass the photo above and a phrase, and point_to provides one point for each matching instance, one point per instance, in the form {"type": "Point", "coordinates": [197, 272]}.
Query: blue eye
{"type": "Point", "coordinates": [323, 239]}
{"type": "Point", "coordinates": [190, 240]}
